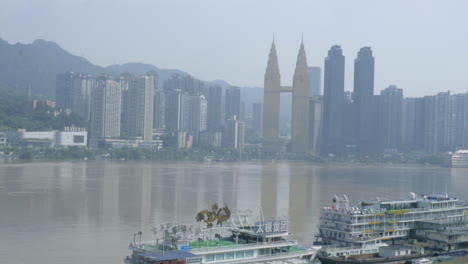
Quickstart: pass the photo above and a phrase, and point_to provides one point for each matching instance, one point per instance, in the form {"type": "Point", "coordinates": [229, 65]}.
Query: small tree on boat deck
{"type": "Point", "coordinates": [220, 215]}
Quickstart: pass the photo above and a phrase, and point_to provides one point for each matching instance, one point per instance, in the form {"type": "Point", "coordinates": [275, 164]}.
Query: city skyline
{"type": "Point", "coordinates": [337, 123]}
{"type": "Point", "coordinates": [434, 22]}
{"type": "Point", "coordinates": [234, 131]}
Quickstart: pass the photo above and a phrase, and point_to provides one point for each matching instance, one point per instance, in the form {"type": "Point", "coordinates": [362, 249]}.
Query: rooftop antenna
{"type": "Point", "coordinates": [273, 37]}
{"type": "Point", "coordinates": [233, 223]}
{"type": "Point", "coordinates": [346, 201]}
{"type": "Point", "coordinates": [155, 236]}
{"type": "Point", "coordinates": [302, 38]}
{"type": "Point", "coordinates": [240, 220]}
{"type": "Point", "coordinates": [261, 212]}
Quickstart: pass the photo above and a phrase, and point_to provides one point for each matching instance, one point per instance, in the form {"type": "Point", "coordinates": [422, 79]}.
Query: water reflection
{"type": "Point", "coordinates": [74, 212]}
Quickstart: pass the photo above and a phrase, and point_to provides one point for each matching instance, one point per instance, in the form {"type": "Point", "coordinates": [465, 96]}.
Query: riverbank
{"type": "Point", "coordinates": [208, 155]}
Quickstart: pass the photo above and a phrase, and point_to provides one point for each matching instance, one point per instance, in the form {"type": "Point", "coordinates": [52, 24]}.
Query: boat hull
{"type": "Point", "coordinates": [394, 260]}
{"type": "Point", "coordinates": [460, 257]}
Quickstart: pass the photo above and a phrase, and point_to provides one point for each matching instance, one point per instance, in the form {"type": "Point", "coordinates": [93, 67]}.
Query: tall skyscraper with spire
{"type": "Point", "coordinates": [363, 94]}
{"type": "Point", "coordinates": [333, 101]}
{"type": "Point", "coordinates": [271, 105]}
{"type": "Point", "coordinates": [300, 105]}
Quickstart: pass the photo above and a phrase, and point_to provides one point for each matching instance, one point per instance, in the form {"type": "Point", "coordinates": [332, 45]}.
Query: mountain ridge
{"type": "Point", "coordinates": [32, 68]}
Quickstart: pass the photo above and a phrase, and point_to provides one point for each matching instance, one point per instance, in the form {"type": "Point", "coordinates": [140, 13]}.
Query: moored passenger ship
{"type": "Point", "coordinates": [237, 239]}
{"type": "Point", "coordinates": [420, 229]}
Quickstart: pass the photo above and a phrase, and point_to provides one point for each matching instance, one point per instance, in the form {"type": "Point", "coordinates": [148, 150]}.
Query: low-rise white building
{"type": "Point", "coordinates": [155, 144]}
{"type": "Point", "coordinates": [71, 136]}
{"type": "Point", "coordinates": [2, 139]}
{"type": "Point", "coordinates": [459, 159]}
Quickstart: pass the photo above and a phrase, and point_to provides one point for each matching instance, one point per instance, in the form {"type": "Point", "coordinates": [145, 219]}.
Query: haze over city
{"type": "Point", "coordinates": [233, 131]}
{"type": "Point", "coordinates": [418, 45]}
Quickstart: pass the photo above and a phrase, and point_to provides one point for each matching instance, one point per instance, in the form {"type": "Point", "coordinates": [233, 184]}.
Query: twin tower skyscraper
{"type": "Point", "coordinates": [300, 126]}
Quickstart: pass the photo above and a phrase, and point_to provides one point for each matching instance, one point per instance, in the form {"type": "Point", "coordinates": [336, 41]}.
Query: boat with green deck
{"type": "Point", "coordinates": [234, 239]}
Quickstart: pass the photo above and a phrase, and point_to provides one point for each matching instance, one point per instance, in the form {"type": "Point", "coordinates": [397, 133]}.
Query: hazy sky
{"type": "Point", "coordinates": [419, 45]}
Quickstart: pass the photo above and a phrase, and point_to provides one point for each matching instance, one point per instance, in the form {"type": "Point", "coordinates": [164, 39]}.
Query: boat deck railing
{"type": "Point", "coordinates": [277, 257]}
{"type": "Point", "coordinates": [245, 246]}
{"type": "Point", "coordinates": [149, 246]}
{"type": "Point", "coordinates": [334, 247]}
{"type": "Point", "coordinates": [347, 211]}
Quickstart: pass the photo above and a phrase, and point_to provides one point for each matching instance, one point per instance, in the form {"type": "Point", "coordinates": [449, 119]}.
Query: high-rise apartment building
{"type": "Point", "coordinates": [81, 96]}
{"type": "Point", "coordinates": [414, 122]}
{"type": "Point", "coordinates": [73, 91]}
{"type": "Point", "coordinates": [316, 124]}
{"type": "Point", "coordinates": [214, 122]}
{"type": "Point", "coordinates": [315, 74]}
{"type": "Point", "coordinates": [257, 118]}
{"type": "Point", "coordinates": [409, 122]}
{"type": "Point", "coordinates": [158, 103]}
{"type": "Point", "coordinates": [391, 118]}
{"type": "Point", "coordinates": [159, 123]}
{"type": "Point", "coordinates": [232, 103]}
{"type": "Point", "coordinates": [141, 107]}
{"type": "Point", "coordinates": [419, 123]}
{"type": "Point", "coordinates": [124, 81]}
{"type": "Point", "coordinates": [194, 113]}
{"type": "Point", "coordinates": [186, 112]}
{"type": "Point", "coordinates": [172, 110]}
{"type": "Point", "coordinates": [63, 89]}
{"type": "Point", "coordinates": [235, 133]}
{"type": "Point", "coordinates": [240, 134]}
{"type": "Point", "coordinates": [242, 111]}
{"type": "Point", "coordinates": [333, 101]}
{"type": "Point", "coordinates": [436, 123]}
{"type": "Point", "coordinates": [460, 120]}
{"type": "Point", "coordinates": [430, 124]}
{"type": "Point", "coordinates": [184, 82]}
{"type": "Point", "coordinates": [349, 124]}
{"type": "Point", "coordinates": [105, 110]}
{"type": "Point", "coordinates": [201, 113]}
{"type": "Point", "coordinates": [362, 99]}
{"type": "Point", "coordinates": [444, 122]}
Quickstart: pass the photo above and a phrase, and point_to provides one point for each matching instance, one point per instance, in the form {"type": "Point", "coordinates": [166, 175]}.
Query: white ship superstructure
{"type": "Point", "coordinates": [362, 229]}
{"type": "Point", "coordinates": [459, 159]}
{"type": "Point", "coordinates": [238, 240]}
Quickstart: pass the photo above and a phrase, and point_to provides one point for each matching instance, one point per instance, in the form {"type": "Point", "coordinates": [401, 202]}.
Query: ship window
{"type": "Point", "coordinates": [209, 258]}
{"type": "Point", "coordinates": [240, 254]}
{"type": "Point", "coordinates": [230, 255]}
{"type": "Point", "coordinates": [219, 256]}
{"type": "Point", "coordinates": [249, 253]}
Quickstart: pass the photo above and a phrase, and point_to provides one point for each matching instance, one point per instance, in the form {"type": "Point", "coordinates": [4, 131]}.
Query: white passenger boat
{"type": "Point", "coordinates": [394, 231]}
{"type": "Point", "coordinates": [234, 239]}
